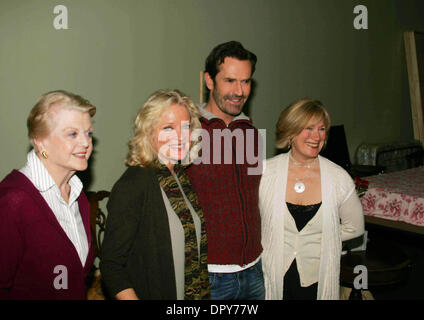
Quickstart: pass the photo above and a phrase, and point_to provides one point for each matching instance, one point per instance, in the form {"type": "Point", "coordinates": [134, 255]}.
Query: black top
{"type": "Point", "coordinates": [302, 214]}
{"type": "Point", "coordinates": [137, 248]}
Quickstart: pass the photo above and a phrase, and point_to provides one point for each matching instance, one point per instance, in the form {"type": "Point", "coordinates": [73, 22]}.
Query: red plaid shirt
{"type": "Point", "coordinates": [227, 194]}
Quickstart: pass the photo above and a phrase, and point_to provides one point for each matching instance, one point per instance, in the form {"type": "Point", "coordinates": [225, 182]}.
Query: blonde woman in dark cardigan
{"type": "Point", "coordinates": [155, 244]}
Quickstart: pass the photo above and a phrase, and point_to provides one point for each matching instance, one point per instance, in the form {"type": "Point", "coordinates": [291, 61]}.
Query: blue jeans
{"type": "Point", "coordinates": [244, 285]}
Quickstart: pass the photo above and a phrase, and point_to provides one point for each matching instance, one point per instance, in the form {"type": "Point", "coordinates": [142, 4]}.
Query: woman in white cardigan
{"type": "Point", "coordinates": [308, 206]}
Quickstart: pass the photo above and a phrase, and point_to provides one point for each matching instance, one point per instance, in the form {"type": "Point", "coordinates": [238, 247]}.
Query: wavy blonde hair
{"type": "Point", "coordinates": [296, 117]}
{"type": "Point", "coordinates": [40, 123]}
{"type": "Point", "coordinates": [141, 146]}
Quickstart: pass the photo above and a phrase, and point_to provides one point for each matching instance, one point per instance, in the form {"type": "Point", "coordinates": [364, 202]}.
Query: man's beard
{"type": "Point", "coordinates": [228, 108]}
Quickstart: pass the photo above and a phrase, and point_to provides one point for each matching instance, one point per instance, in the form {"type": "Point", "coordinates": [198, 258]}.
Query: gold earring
{"type": "Point", "coordinates": [44, 154]}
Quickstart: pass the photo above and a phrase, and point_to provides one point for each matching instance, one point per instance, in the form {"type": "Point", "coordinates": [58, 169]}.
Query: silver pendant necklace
{"type": "Point", "coordinates": [299, 186]}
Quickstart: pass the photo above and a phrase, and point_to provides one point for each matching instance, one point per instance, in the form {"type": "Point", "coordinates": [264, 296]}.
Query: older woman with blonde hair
{"type": "Point", "coordinates": [155, 244]}
{"type": "Point", "coordinates": [45, 240]}
{"type": "Point", "coordinates": [308, 206]}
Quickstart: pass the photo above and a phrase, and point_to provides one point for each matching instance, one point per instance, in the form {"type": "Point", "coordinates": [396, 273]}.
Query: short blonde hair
{"type": "Point", "coordinates": [141, 146]}
{"type": "Point", "coordinates": [39, 122]}
{"type": "Point", "coordinates": [296, 117]}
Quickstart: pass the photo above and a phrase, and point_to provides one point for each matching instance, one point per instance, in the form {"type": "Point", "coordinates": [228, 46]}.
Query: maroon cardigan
{"type": "Point", "coordinates": [229, 196]}
{"type": "Point", "coordinates": [32, 244]}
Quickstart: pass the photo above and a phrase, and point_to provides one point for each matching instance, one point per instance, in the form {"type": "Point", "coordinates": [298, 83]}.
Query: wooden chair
{"type": "Point", "coordinates": [97, 227]}
{"type": "Point", "coordinates": [385, 262]}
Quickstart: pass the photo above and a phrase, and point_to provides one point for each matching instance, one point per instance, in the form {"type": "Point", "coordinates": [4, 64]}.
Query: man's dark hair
{"type": "Point", "coordinates": [233, 49]}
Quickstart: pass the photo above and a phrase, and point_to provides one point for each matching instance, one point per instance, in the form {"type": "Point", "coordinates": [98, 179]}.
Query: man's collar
{"type": "Point", "coordinates": [209, 115]}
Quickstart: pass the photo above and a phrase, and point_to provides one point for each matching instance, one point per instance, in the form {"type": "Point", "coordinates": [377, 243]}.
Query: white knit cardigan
{"type": "Point", "coordinates": [336, 186]}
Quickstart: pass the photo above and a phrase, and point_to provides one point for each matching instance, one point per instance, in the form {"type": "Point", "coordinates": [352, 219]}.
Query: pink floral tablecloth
{"type": "Point", "coordinates": [397, 196]}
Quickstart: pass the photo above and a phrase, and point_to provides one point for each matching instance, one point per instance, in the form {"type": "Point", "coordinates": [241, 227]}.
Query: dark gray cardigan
{"type": "Point", "coordinates": [137, 250]}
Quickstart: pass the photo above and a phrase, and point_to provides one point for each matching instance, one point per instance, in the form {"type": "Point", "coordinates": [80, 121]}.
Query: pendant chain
{"type": "Point", "coordinates": [299, 164]}
{"type": "Point", "coordinates": [299, 186]}
{"type": "Point", "coordinates": [306, 176]}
